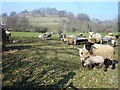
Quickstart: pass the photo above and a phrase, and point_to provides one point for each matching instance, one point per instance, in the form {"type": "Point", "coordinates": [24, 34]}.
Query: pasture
{"type": "Point", "coordinates": [35, 63]}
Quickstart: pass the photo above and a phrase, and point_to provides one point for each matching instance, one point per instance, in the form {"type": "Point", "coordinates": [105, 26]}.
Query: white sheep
{"type": "Point", "coordinates": [110, 34]}
{"type": "Point", "coordinates": [45, 36]}
{"type": "Point", "coordinates": [113, 39]}
{"type": "Point", "coordinates": [84, 54]}
{"type": "Point", "coordinates": [95, 60]}
{"type": "Point", "coordinates": [42, 36]}
{"type": "Point", "coordinates": [69, 39]}
{"type": "Point", "coordinates": [94, 37]}
{"type": "Point", "coordinates": [105, 51]}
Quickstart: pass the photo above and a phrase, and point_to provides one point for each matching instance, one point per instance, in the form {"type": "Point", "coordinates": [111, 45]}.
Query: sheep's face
{"type": "Point", "coordinates": [91, 34]}
{"type": "Point", "coordinates": [84, 54]}
{"type": "Point", "coordinates": [113, 42]}
{"type": "Point", "coordinates": [88, 45]}
{"type": "Point", "coordinates": [81, 54]}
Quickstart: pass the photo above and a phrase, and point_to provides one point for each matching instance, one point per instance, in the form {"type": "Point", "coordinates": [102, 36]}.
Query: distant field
{"type": "Point", "coordinates": [52, 22]}
{"type": "Point", "coordinates": [46, 19]}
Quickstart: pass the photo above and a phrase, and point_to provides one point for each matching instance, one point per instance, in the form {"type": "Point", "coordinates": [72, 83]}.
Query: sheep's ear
{"type": "Point", "coordinates": [117, 36]}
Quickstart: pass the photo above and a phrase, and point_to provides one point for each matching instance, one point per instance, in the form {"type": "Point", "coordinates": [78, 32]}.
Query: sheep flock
{"type": "Point", "coordinates": [95, 48]}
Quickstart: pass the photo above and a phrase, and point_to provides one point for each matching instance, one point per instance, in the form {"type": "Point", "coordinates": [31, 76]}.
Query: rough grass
{"type": "Point", "coordinates": [51, 64]}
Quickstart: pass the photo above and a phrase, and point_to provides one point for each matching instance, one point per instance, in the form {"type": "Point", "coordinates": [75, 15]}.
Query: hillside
{"type": "Point", "coordinates": [52, 22]}
{"type": "Point", "coordinates": [51, 19]}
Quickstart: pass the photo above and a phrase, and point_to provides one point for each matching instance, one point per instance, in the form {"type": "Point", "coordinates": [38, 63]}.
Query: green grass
{"type": "Point", "coordinates": [24, 34]}
{"type": "Point", "coordinates": [37, 63]}
{"type": "Point", "coordinates": [54, 36]}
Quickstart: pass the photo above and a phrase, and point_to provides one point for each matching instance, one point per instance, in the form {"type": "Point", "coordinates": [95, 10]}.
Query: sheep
{"type": "Point", "coordinates": [84, 54]}
{"type": "Point", "coordinates": [95, 60]}
{"type": "Point", "coordinates": [110, 34]}
{"type": "Point", "coordinates": [8, 33]}
{"type": "Point", "coordinates": [48, 34]}
{"type": "Point", "coordinates": [80, 34]}
{"type": "Point", "coordinates": [106, 51]}
{"type": "Point", "coordinates": [94, 37]}
{"type": "Point", "coordinates": [107, 41]}
{"type": "Point", "coordinates": [100, 49]}
{"type": "Point", "coordinates": [42, 36]}
{"type": "Point", "coordinates": [112, 37]}
{"type": "Point", "coordinates": [45, 36]}
{"type": "Point", "coordinates": [69, 39]}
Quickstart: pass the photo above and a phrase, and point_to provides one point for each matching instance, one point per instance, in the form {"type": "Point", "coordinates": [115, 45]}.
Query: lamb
{"type": "Point", "coordinates": [94, 37]}
{"type": "Point", "coordinates": [106, 51]}
{"type": "Point", "coordinates": [95, 60]}
{"type": "Point", "coordinates": [84, 54]}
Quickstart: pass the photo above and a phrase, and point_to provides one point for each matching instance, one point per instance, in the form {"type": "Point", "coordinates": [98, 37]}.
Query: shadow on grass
{"type": "Point", "coordinates": [60, 67]}
{"type": "Point", "coordinates": [24, 84]}
{"type": "Point", "coordinates": [18, 47]}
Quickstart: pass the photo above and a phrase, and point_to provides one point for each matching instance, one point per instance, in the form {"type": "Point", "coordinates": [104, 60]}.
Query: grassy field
{"type": "Point", "coordinates": [48, 64]}
{"type": "Point", "coordinates": [52, 22]}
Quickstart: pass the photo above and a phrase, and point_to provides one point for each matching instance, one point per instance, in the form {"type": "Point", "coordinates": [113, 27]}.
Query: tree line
{"type": "Point", "coordinates": [79, 23]}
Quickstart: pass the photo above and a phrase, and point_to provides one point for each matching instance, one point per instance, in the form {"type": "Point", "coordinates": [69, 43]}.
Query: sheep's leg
{"type": "Point", "coordinates": [90, 66]}
{"type": "Point", "coordinates": [113, 64]}
{"type": "Point", "coordinates": [101, 65]}
{"type": "Point", "coordinates": [82, 62]}
{"type": "Point", "coordinates": [75, 42]}
{"type": "Point", "coordinates": [104, 67]}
